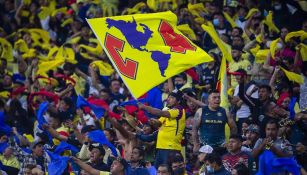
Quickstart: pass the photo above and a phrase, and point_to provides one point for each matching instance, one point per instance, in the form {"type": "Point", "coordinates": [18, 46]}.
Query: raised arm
{"type": "Point", "coordinates": [154, 111]}
{"type": "Point", "coordinates": [195, 137]}
{"type": "Point", "coordinates": [232, 124]}
{"type": "Point", "coordinates": [86, 167]}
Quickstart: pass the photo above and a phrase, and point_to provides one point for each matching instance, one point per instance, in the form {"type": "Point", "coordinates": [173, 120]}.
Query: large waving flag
{"type": "Point", "coordinates": [270, 164]}
{"type": "Point", "coordinates": [146, 49]}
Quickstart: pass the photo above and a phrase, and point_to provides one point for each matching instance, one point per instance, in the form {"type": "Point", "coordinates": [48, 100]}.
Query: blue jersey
{"type": "Point", "coordinates": [212, 127]}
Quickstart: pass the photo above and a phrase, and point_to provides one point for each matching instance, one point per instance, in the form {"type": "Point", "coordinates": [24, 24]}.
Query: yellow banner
{"type": "Point", "coordinates": [146, 49]}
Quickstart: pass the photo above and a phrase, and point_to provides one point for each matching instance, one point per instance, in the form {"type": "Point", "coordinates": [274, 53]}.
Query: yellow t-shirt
{"type": "Point", "coordinates": [171, 132]}
{"type": "Point", "coordinates": [104, 173]}
{"type": "Point", "coordinates": [234, 66]}
{"type": "Point", "coordinates": [12, 161]}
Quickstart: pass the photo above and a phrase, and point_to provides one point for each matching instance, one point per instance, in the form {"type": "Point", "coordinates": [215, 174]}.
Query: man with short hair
{"type": "Point", "coordinates": [209, 124]}
{"type": "Point", "coordinates": [136, 161]}
{"type": "Point", "coordinates": [215, 165]}
{"type": "Point", "coordinates": [164, 169]}
{"type": "Point", "coordinates": [178, 165]}
{"type": "Point", "coordinates": [278, 146]}
{"type": "Point", "coordinates": [235, 155]}
{"type": "Point", "coordinates": [262, 108]}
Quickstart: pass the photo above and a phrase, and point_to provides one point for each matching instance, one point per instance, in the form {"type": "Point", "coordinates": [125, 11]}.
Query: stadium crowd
{"type": "Point", "coordinates": [51, 61]}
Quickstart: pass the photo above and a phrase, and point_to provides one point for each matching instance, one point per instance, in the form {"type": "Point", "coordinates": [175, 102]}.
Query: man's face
{"type": "Point", "coordinates": [252, 136]}
{"type": "Point", "coordinates": [171, 101]}
{"type": "Point", "coordinates": [179, 81]}
{"type": "Point", "coordinates": [162, 171]}
{"type": "Point", "coordinates": [135, 156]}
{"type": "Point", "coordinates": [235, 32]}
{"type": "Point", "coordinates": [8, 152]}
{"type": "Point", "coordinates": [234, 145]}
{"type": "Point", "coordinates": [115, 86]}
{"type": "Point", "coordinates": [214, 100]}
{"type": "Point", "coordinates": [38, 150]}
{"type": "Point", "coordinates": [263, 94]}
{"type": "Point", "coordinates": [191, 105]}
{"type": "Point", "coordinates": [95, 155]}
{"type": "Point", "coordinates": [177, 166]}
{"type": "Point", "coordinates": [7, 81]}
{"type": "Point", "coordinates": [271, 130]}
{"type": "Point", "coordinates": [283, 33]}
{"type": "Point", "coordinates": [104, 96]}
{"type": "Point", "coordinates": [236, 41]}
{"type": "Point", "coordinates": [116, 167]}
{"type": "Point", "coordinates": [236, 54]}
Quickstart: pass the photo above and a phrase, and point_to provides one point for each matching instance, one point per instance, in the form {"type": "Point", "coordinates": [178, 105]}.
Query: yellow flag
{"type": "Point", "coordinates": [6, 50]}
{"type": "Point", "coordinates": [146, 49]}
{"type": "Point", "coordinates": [230, 20]}
{"type": "Point", "coordinates": [270, 23]}
{"type": "Point", "coordinates": [222, 84]}
{"type": "Point", "coordinates": [105, 69]}
{"type": "Point", "coordinates": [303, 51]}
{"type": "Point", "coordinates": [45, 66]}
{"type": "Point", "coordinates": [294, 34]}
{"type": "Point", "coordinates": [273, 47]}
{"type": "Point", "coordinates": [185, 29]}
{"type": "Point", "coordinates": [261, 55]}
{"type": "Point", "coordinates": [293, 76]}
{"type": "Point", "coordinates": [251, 12]}
{"type": "Point", "coordinates": [221, 45]}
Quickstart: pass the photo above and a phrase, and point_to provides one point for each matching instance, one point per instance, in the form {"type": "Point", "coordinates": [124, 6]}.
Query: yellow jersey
{"type": "Point", "coordinates": [171, 132]}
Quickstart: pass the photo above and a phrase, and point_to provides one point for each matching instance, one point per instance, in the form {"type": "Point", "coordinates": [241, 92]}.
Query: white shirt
{"type": "Point", "coordinates": [244, 110]}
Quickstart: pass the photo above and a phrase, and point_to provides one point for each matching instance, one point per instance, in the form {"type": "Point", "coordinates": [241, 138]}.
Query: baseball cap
{"type": "Point", "coordinates": [35, 143]}
{"type": "Point", "coordinates": [206, 149]}
{"type": "Point", "coordinates": [99, 147]}
{"type": "Point", "coordinates": [253, 128]}
{"type": "Point", "coordinates": [177, 94]}
{"type": "Point", "coordinates": [87, 128]}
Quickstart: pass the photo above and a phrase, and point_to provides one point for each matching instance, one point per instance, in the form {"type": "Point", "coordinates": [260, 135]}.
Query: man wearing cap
{"type": "Point", "coordinates": [172, 124]}
{"type": "Point", "coordinates": [203, 151]}
{"type": "Point", "coordinates": [243, 110]}
{"type": "Point", "coordinates": [238, 63]}
{"type": "Point", "coordinates": [252, 136]}
{"type": "Point", "coordinates": [97, 153]}
{"type": "Point", "coordinates": [37, 157]}
{"type": "Point", "coordinates": [119, 167]}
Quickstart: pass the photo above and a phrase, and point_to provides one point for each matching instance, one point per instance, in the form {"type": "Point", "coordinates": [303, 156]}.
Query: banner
{"type": "Point", "coordinates": [146, 49]}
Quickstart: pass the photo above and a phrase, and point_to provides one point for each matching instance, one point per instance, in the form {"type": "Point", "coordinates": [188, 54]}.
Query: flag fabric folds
{"type": "Point", "coordinates": [98, 136]}
{"type": "Point", "coordinates": [99, 111]}
{"type": "Point", "coordinates": [58, 164]}
{"type": "Point", "coordinates": [133, 102]}
{"type": "Point", "coordinates": [41, 110]}
{"type": "Point", "coordinates": [269, 164]}
{"type": "Point", "coordinates": [63, 146]}
{"type": "Point", "coordinates": [293, 76]}
{"type": "Point", "coordinates": [146, 49]}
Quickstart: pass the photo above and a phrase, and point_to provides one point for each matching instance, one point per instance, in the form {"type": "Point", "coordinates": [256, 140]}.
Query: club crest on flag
{"type": "Point", "coordinates": [146, 49]}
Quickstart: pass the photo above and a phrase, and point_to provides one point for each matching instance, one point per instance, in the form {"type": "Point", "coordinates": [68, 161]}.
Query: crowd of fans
{"type": "Point", "coordinates": [49, 56]}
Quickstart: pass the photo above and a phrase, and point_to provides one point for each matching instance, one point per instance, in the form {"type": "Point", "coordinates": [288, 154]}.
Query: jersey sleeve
{"type": "Point", "coordinates": [174, 113]}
